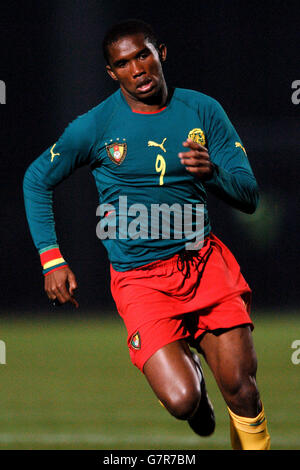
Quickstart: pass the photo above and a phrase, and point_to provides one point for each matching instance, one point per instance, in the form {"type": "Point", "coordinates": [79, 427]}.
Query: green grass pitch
{"type": "Point", "coordinates": [68, 384]}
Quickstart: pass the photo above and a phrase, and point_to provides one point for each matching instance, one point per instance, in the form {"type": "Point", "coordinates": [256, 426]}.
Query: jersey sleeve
{"type": "Point", "coordinates": [75, 148]}
{"type": "Point", "coordinates": [233, 180]}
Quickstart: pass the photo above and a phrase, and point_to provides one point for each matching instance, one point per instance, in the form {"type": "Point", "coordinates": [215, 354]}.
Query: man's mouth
{"type": "Point", "coordinates": [145, 86]}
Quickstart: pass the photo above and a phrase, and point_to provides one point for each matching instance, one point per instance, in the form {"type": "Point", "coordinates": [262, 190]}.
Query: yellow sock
{"type": "Point", "coordinates": [249, 433]}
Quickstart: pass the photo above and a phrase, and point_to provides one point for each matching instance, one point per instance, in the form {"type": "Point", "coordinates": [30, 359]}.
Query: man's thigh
{"type": "Point", "coordinates": [172, 375]}
{"type": "Point", "coordinates": [230, 355]}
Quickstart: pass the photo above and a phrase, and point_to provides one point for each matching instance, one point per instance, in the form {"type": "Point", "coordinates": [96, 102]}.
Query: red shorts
{"type": "Point", "coordinates": [160, 303]}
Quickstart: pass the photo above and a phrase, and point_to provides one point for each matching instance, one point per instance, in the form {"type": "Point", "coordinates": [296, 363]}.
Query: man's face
{"type": "Point", "coordinates": [136, 64]}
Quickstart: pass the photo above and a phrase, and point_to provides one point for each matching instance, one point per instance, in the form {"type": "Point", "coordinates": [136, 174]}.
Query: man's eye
{"type": "Point", "coordinates": [144, 55]}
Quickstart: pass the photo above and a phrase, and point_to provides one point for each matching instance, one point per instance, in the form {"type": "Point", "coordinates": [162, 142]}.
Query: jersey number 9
{"type": "Point", "coordinates": [160, 167]}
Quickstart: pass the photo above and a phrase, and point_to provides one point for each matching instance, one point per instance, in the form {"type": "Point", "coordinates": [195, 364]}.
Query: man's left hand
{"type": "Point", "coordinates": [197, 160]}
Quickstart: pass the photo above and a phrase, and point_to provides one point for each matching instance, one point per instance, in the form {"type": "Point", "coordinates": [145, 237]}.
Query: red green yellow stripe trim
{"type": "Point", "coordinates": [50, 255]}
{"type": "Point", "coordinates": [53, 262]}
{"type": "Point", "coordinates": [51, 259]}
{"type": "Point", "coordinates": [48, 248]}
{"type": "Point", "coordinates": [51, 270]}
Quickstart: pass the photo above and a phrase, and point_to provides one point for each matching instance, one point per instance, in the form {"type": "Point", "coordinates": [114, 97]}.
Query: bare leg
{"type": "Point", "coordinates": [172, 374]}
{"type": "Point", "coordinates": [232, 359]}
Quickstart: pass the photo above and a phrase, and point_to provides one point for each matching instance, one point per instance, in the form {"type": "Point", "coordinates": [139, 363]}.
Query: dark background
{"type": "Point", "coordinates": [243, 53]}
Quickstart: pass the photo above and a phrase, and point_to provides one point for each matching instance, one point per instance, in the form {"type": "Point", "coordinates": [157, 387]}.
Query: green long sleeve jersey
{"type": "Point", "coordinates": [134, 160]}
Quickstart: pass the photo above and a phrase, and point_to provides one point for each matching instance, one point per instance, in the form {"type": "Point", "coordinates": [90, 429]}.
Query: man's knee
{"type": "Point", "coordinates": [172, 374]}
{"type": "Point", "coordinates": [242, 396]}
{"type": "Point", "coordinates": [183, 403]}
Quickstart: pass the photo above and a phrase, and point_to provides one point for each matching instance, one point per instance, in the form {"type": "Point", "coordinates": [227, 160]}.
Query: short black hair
{"type": "Point", "coordinates": [127, 28]}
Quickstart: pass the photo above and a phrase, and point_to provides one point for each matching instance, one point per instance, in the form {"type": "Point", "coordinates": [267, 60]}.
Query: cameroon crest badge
{"type": "Point", "coordinates": [116, 152]}
{"type": "Point", "coordinates": [136, 341]}
{"type": "Point", "coordinates": [197, 135]}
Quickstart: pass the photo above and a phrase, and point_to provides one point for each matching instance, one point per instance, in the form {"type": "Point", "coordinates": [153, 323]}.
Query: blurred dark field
{"type": "Point", "coordinates": [69, 384]}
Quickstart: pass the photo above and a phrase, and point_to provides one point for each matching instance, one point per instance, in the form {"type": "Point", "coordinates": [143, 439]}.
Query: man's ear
{"type": "Point", "coordinates": [162, 51]}
{"type": "Point", "coordinates": [111, 73]}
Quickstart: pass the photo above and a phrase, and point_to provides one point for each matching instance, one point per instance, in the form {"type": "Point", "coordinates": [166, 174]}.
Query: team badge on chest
{"type": "Point", "coordinates": [198, 136]}
{"type": "Point", "coordinates": [116, 152]}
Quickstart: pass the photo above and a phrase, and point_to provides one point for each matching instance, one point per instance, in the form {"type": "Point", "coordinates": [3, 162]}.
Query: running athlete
{"type": "Point", "coordinates": [151, 145]}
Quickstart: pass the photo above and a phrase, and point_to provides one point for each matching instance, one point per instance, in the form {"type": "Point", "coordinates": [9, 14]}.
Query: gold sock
{"type": "Point", "coordinates": [249, 433]}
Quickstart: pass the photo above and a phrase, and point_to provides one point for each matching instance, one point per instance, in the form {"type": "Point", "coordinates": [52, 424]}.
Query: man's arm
{"type": "Point", "coordinates": [72, 150]}
{"type": "Point", "coordinates": [223, 166]}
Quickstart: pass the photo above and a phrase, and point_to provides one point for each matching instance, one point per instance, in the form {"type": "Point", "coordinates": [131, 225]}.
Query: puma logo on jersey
{"type": "Point", "coordinates": [53, 154]}
{"type": "Point", "coordinates": [238, 144]}
{"type": "Point", "coordinates": [155, 144]}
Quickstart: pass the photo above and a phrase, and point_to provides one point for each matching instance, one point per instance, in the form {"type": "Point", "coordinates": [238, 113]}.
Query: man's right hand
{"type": "Point", "coordinates": [61, 285]}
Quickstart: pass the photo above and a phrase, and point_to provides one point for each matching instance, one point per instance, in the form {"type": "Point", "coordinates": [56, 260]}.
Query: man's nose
{"type": "Point", "coordinates": [136, 69]}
